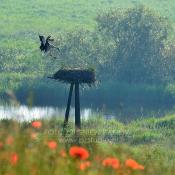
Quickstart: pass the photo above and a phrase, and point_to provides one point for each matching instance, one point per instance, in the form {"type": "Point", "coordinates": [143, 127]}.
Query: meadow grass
{"type": "Point", "coordinates": [21, 21]}
{"type": "Point", "coordinates": [148, 141]}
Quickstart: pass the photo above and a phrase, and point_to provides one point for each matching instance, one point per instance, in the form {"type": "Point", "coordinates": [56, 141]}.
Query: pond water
{"type": "Point", "coordinates": [25, 113]}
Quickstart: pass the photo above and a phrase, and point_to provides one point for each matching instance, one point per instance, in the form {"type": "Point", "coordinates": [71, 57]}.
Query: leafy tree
{"type": "Point", "coordinates": [140, 37]}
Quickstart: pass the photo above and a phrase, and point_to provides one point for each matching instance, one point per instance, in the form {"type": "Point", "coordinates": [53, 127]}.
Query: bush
{"type": "Point", "coordinates": [141, 41]}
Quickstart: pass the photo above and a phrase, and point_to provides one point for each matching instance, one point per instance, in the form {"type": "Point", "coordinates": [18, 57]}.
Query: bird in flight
{"type": "Point", "coordinates": [45, 44]}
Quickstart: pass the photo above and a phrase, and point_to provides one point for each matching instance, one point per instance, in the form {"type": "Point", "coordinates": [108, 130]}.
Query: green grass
{"type": "Point", "coordinates": [55, 15]}
{"type": "Point", "coordinates": [46, 16]}
{"type": "Point", "coordinates": [150, 142]}
{"type": "Point", "coordinates": [21, 20]}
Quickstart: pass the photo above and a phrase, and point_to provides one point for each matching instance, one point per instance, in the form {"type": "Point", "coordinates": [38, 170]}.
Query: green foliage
{"type": "Point", "coordinates": [76, 50]}
{"type": "Point", "coordinates": [140, 38]}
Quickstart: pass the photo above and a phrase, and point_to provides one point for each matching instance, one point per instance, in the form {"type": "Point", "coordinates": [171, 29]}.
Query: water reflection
{"type": "Point", "coordinates": [24, 113]}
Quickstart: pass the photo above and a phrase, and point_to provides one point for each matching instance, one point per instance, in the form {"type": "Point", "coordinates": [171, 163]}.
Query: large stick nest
{"type": "Point", "coordinates": [75, 76]}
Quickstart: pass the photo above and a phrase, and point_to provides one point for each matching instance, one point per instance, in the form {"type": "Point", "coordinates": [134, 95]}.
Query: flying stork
{"type": "Point", "coordinates": [45, 44]}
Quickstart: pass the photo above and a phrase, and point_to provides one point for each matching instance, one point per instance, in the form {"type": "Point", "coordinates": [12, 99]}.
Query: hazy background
{"type": "Point", "coordinates": [131, 45]}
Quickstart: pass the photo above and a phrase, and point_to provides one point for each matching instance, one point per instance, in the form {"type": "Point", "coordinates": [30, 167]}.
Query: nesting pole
{"type": "Point", "coordinates": [74, 77]}
{"type": "Point", "coordinates": [77, 107]}
{"type": "Point", "coordinates": [68, 105]}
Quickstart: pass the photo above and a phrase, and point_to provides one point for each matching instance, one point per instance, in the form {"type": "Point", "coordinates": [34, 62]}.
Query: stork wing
{"type": "Point", "coordinates": [42, 39]}
{"type": "Point", "coordinates": [49, 38]}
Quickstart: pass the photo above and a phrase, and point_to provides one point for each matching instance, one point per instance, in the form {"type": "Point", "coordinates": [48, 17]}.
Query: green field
{"type": "Point", "coordinates": [21, 21]}
{"type": "Point", "coordinates": [150, 142]}
{"type": "Point", "coordinates": [21, 17]}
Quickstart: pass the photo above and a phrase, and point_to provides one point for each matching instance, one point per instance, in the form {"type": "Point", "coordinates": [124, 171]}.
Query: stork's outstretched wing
{"type": "Point", "coordinates": [49, 38]}
{"type": "Point", "coordinates": [45, 44]}
{"type": "Point", "coordinates": [42, 39]}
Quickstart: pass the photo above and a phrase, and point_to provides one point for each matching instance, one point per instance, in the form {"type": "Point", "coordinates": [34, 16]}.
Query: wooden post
{"type": "Point", "coordinates": [77, 107]}
{"type": "Point", "coordinates": [68, 105]}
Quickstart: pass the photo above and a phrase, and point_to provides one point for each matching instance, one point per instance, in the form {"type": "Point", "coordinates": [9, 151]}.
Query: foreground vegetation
{"type": "Point", "coordinates": [143, 146]}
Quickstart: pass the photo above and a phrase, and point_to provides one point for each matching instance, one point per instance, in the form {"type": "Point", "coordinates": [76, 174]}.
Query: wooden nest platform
{"type": "Point", "coordinates": [75, 76]}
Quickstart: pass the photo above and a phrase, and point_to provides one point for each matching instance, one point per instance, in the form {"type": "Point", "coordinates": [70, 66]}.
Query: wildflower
{"type": "Point", "coordinates": [52, 145]}
{"type": "Point", "coordinates": [111, 162]}
{"type": "Point", "coordinates": [133, 164]}
{"type": "Point", "coordinates": [63, 153]}
{"type": "Point", "coordinates": [9, 140]}
{"type": "Point", "coordinates": [1, 145]}
{"type": "Point", "coordinates": [84, 165]}
{"type": "Point", "coordinates": [36, 124]}
{"type": "Point", "coordinates": [79, 152]}
{"type": "Point", "coordinates": [14, 159]}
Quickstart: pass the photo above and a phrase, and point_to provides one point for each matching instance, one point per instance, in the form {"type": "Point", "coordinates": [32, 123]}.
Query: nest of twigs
{"type": "Point", "coordinates": [75, 76]}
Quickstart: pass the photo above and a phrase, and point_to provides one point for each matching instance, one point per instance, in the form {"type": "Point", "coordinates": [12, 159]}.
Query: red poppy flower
{"type": "Point", "coordinates": [63, 153]}
{"type": "Point", "coordinates": [36, 124]}
{"type": "Point", "coordinates": [111, 162]}
{"type": "Point", "coordinates": [14, 159]}
{"type": "Point", "coordinates": [52, 145]}
{"type": "Point", "coordinates": [133, 164]}
{"type": "Point", "coordinates": [84, 165]}
{"type": "Point", "coordinates": [9, 140]}
{"type": "Point", "coordinates": [79, 152]}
